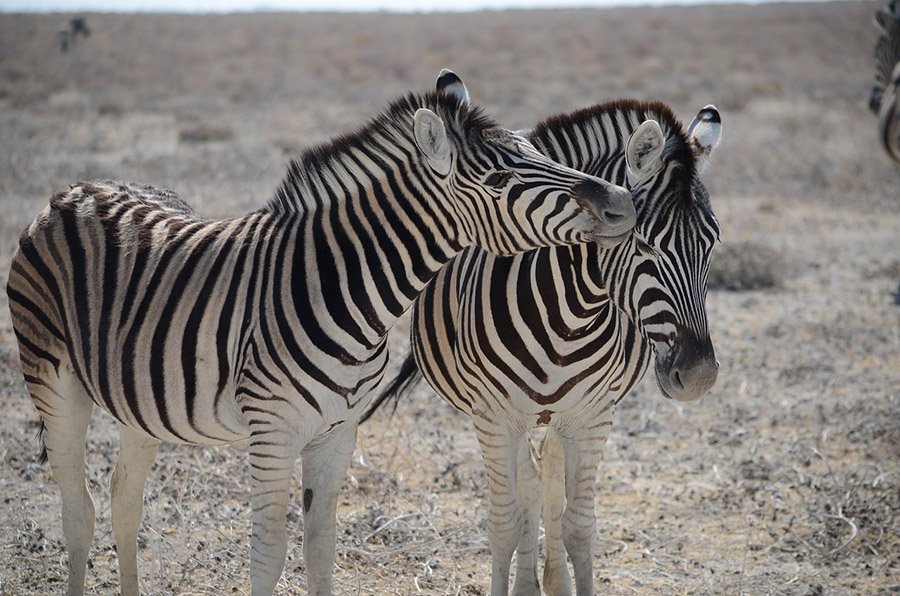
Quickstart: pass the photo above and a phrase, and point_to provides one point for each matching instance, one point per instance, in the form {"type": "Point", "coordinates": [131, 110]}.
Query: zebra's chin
{"type": "Point", "coordinates": [612, 241]}
{"type": "Point", "coordinates": [600, 235]}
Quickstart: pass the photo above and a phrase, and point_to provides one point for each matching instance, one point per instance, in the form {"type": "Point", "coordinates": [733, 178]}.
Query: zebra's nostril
{"type": "Point", "coordinates": [676, 377]}
{"type": "Point", "coordinates": [613, 217]}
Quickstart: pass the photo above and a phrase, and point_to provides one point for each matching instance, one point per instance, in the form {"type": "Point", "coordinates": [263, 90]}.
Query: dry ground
{"type": "Point", "coordinates": [784, 480]}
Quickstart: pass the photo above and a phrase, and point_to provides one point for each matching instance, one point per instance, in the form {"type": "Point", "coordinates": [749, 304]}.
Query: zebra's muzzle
{"type": "Point", "coordinates": [612, 209]}
{"type": "Point", "coordinates": [689, 369]}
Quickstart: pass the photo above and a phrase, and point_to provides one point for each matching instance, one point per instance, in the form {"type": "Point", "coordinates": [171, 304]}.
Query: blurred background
{"type": "Point", "coordinates": [783, 480]}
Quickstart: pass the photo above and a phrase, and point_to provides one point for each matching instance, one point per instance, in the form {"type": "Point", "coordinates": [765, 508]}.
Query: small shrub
{"type": "Point", "coordinates": [110, 108]}
{"type": "Point", "coordinates": [745, 266]}
{"type": "Point", "coordinates": [203, 133]}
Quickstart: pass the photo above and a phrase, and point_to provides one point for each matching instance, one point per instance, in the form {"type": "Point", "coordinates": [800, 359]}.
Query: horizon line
{"type": "Point", "coordinates": [352, 6]}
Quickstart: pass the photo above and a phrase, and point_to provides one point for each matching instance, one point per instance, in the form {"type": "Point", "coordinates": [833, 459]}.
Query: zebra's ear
{"type": "Point", "coordinates": [449, 82]}
{"type": "Point", "coordinates": [704, 132]}
{"type": "Point", "coordinates": [431, 138]}
{"type": "Point", "coordinates": [643, 152]}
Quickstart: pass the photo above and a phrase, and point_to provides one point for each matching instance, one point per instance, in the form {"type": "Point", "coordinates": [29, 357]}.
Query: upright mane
{"type": "Point", "coordinates": [633, 112]}
{"type": "Point", "coordinates": [392, 127]}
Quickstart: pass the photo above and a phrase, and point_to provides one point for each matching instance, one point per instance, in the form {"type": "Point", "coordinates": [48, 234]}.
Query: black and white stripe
{"type": "Point", "coordinates": [556, 337]}
{"type": "Point", "coordinates": [885, 97]}
{"type": "Point", "coordinates": [270, 326]}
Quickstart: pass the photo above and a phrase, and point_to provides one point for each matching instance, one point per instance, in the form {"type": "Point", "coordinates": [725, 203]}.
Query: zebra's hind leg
{"type": "Point", "coordinates": [136, 454]}
{"type": "Point", "coordinates": [528, 495]}
{"type": "Point", "coordinates": [499, 449]}
{"type": "Point", "coordinates": [325, 463]}
{"type": "Point", "coordinates": [66, 410]}
{"type": "Point", "coordinates": [557, 581]}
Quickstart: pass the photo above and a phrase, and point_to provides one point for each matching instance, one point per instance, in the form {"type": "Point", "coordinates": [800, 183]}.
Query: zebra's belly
{"type": "Point", "coordinates": [195, 408]}
{"type": "Point", "coordinates": [204, 416]}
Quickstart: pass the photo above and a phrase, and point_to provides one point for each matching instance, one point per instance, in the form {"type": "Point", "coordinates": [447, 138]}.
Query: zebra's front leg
{"type": "Point", "coordinates": [528, 496]}
{"type": "Point", "coordinates": [325, 463]}
{"type": "Point", "coordinates": [136, 454]}
{"type": "Point", "coordinates": [557, 580]}
{"type": "Point", "coordinates": [272, 456]}
{"type": "Point", "coordinates": [579, 523]}
{"type": "Point", "coordinates": [499, 449]}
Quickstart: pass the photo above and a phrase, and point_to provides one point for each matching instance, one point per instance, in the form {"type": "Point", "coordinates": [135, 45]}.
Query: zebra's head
{"type": "Point", "coordinates": [512, 197]}
{"type": "Point", "coordinates": [658, 276]}
{"type": "Point", "coordinates": [668, 257]}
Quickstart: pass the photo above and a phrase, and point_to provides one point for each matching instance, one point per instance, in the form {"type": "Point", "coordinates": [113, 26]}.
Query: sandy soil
{"type": "Point", "coordinates": [784, 480]}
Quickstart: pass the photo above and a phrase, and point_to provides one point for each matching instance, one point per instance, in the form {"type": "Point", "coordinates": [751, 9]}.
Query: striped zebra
{"type": "Point", "coordinates": [884, 100]}
{"type": "Point", "coordinates": [271, 326]}
{"type": "Point", "coordinates": [556, 337]}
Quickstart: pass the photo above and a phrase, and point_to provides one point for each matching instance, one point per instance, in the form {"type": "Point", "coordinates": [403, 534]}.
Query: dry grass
{"type": "Point", "coordinates": [784, 480]}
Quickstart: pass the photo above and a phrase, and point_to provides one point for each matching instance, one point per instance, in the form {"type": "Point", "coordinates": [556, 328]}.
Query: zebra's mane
{"type": "Point", "coordinates": [677, 144]}
{"type": "Point", "coordinates": [393, 125]}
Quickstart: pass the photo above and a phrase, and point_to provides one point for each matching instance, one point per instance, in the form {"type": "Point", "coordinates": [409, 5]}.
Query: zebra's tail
{"type": "Point", "coordinates": [40, 437]}
{"type": "Point", "coordinates": [407, 378]}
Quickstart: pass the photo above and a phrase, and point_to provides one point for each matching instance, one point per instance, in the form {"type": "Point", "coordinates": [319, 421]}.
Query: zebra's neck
{"type": "Point", "coordinates": [367, 262]}
{"type": "Point", "coordinates": [370, 227]}
{"type": "Point", "coordinates": [588, 280]}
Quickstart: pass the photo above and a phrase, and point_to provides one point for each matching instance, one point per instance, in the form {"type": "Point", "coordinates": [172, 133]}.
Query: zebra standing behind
{"type": "Point", "coordinates": [270, 326]}
{"type": "Point", "coordinates": [556, 337]}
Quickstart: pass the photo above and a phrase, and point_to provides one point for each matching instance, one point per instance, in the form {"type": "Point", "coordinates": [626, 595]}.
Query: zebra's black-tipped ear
{"type": "Point", "coordinates": [643, 151]}
{"type": "Point", "coordinates": [449, 82]}
{"type": "Point", "coordinates": [431, 138]}
{"type": "Point", "coordinates": [705, 131]}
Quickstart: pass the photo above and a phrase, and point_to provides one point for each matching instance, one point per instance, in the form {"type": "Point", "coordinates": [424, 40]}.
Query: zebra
{"type": "Point", "coordinates": [269, 327]}
{"type": "Point", "coordinates": [68, 33]}
{"type": "Point", "coordinates": [884, 99]}
{"type": "Point", "coordinates": [556, 337]}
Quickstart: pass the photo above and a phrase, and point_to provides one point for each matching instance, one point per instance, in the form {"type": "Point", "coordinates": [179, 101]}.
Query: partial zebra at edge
{"type": "Point", "coordinates": [884, 99]}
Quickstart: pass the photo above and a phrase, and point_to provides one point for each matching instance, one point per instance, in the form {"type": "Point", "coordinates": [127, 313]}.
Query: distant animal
{"type": "Point", "coordinates": [70, 31]}
{"type": "Point", "coordinates": [271, 326]}
{"type": "Point", "coordinates": [557, 337]}
{"type": "Point", "coordinates": [884, 99]}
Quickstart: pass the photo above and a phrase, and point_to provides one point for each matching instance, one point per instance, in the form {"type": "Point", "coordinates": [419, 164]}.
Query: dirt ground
{"type": "Point", "coordinates": [783, 480]}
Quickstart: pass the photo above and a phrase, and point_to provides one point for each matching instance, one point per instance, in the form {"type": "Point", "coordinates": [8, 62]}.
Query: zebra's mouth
{"type": "Point", "coordinates": [663, 367]}
{"type": "Point", "coordinates": [613, 241]}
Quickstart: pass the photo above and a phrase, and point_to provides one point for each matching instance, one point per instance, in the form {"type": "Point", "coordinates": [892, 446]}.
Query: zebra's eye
{"type": "Point", "coordinates": [498, 179]}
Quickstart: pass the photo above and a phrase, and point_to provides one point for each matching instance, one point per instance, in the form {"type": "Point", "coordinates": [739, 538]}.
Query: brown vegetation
{"type": "Point", "coordinates": [784, 480]}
